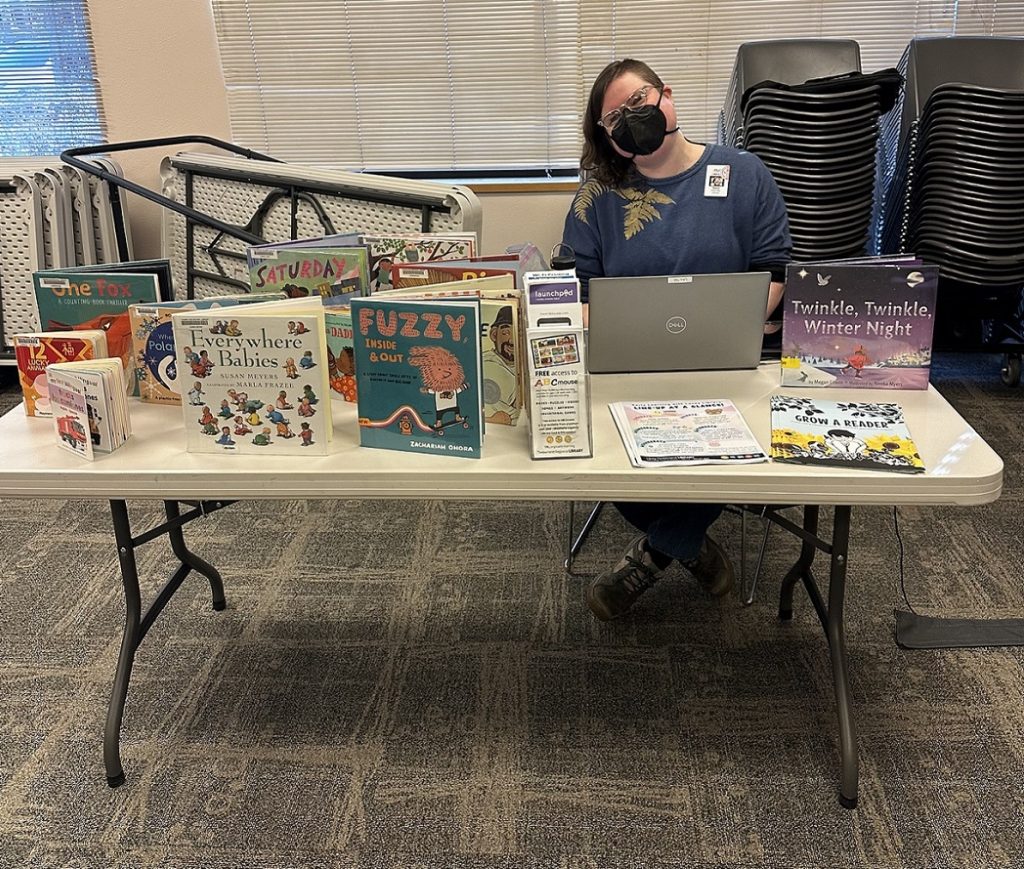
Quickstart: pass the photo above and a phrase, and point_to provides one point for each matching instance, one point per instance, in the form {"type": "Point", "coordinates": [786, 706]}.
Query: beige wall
{"type": "Point", "coordinates": [159, 74]}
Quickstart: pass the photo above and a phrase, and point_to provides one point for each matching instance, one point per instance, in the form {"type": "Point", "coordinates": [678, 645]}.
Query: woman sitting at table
{"type": "Point", "coordinates": [656, 203]}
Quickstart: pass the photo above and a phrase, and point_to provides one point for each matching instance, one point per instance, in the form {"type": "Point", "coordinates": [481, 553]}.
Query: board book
{"type": "Point", "coordinates": [36, 350]}
{"type": "Point", "coordinates": [90, 407]}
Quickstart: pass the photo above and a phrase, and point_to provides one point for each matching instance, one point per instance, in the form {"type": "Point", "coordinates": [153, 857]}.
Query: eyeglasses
{"type": "Point", "coordinates": [610, 120]}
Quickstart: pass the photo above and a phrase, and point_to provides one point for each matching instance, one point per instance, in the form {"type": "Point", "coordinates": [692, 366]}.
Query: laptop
{"type": "Point", "coordinates": [676, 322]}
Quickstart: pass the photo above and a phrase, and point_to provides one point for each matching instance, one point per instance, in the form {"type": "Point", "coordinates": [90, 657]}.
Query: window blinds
{"type": "Point", "coordinates": [478, 85]}
{"type": "Point", "coordinates": [49, 100]}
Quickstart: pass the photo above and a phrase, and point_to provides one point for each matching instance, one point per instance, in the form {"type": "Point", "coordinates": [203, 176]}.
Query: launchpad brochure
{"type": "Point", "coordinates": [659, 434]}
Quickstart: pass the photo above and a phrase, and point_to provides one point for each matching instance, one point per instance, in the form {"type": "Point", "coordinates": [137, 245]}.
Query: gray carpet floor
{"type": "Point", "coordinates": [418, 684]}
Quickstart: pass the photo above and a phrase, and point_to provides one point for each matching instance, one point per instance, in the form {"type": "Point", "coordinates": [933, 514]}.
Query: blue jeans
{"type": "Point", "coordinates": [675, 529]}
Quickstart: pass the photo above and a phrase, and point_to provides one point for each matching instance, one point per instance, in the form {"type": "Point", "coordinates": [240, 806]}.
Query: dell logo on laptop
{"type": "Point", "coordinates": [675, 325]}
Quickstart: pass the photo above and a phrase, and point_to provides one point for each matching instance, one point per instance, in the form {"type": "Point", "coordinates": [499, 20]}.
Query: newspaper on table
{"type": "Point", "coordinates": [657, 434]}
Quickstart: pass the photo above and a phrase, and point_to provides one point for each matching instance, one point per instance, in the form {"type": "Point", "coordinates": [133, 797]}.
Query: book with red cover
{"type": "Point", "coordinates": [35, 350]}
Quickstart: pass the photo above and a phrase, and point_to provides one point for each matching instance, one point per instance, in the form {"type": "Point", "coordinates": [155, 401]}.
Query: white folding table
{"type": "Point", "coordinates": [962, 470]}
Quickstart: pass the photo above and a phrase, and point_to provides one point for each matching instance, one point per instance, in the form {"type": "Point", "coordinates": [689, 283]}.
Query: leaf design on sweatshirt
{"type": "Point", "coordinates": [585, 198]}
{"type": "Point", "coordinates": [640, 208]}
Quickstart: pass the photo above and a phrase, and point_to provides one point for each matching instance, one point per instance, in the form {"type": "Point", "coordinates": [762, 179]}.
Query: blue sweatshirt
{"type": "Point", "coordinates": [668, 226]}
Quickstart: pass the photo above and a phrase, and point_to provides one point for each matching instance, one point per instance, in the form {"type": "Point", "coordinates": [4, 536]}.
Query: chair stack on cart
{"type": "Point", "coordinates": [51, 216]}
{"type": "Point", "coordinates": [953, 186]}
{"type": "Point", "coordinates": [807, 111]}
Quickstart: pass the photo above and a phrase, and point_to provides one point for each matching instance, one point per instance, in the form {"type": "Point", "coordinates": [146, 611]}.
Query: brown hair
{"type": "Point", "coordinates": [599, 159]}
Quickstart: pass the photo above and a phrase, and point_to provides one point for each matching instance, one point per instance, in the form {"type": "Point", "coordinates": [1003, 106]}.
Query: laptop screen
{"type": "Point", "coordinates": [676, 322]}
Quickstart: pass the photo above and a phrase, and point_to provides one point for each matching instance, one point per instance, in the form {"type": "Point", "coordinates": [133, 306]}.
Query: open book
{"type": "Point", "coordinates": [661, 433]}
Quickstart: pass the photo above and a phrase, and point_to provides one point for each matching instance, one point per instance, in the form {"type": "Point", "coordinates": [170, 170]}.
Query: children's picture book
{"type": "Point", "coordinates": [35, 351]}
{"type": "Point", "coordinates": [159, 267]}
{"type": "Point", "coordinates": [260, 386]}
{"type": "Point", "coordinates": [866, 324]}
{"type": "Point", "coordinates": [418, 372]}
{"type": "Point", "coordinates": [97, 385]}
{"type": "Point", "coordinates": [300, 269]}
{"type": "Point", "coordinates": [425, 247]}
{"type": "Point", "coordinates": [69, 299]}
{"type": "Point", "coordinates": [499, 335]}
{"type": "Point", "coordinates": [659, 434]}
{"type": "Point", "coordinates": [519, 259]}
{"type": "Point", "coordinates": [404, 276]}
{"type": "Point", "coordinates": [340, 355]}
{"type": "Point", "coordinates": [843, 434]}
{"type": "Point", "coordinates": [156, 370]}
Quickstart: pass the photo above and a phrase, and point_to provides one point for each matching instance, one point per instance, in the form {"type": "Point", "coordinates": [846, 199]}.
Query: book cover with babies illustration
{"type": "Point", "coordinates": [418, 373]}
{"type": "Point", "coordinates": [156, 369]}
{"type": "Point", "coordinates": [867, 325]}
{"type": "Point", "coordinates": [259, 387]}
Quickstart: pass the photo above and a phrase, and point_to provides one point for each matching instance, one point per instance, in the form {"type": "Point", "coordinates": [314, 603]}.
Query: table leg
{"type": "Point", "coordinates": [185, 556]}
{"type": "Point", "coordinates": [837, 649]}
{"type": "Point", "coordinates": [129, 643]}
{"type": "Point", "coordinates": [136, 625]}
{"type": "Point", "coordinates": [802, 567]}
{"type": "Point", "coordinates": [831, 618]}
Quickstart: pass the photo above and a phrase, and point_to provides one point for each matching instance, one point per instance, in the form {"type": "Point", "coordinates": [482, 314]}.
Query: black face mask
{"type": "Point", "coordinates": [641, 131]}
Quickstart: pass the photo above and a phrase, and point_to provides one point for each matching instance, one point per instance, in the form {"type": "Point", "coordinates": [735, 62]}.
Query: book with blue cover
{"type": "Point", "coordinates": [418, 373]}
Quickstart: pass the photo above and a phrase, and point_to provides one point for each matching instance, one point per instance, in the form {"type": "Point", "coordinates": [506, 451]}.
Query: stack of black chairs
{"type": "Point", "coordinates": [953, 186]}
{"type": "Point", "coordinates": [806, 110]}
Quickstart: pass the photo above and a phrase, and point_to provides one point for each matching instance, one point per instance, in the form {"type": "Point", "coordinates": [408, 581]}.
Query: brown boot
{"type": "Point", "coordinates": [613, 593]}
{"type": "Point", "coordinates": [712, 568]}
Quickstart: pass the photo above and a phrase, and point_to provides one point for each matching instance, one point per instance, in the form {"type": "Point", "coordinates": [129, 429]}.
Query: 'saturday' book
{"type": "Point", "coordinates": [418, 375]}
{"type": "Point", "coordinates": [867, 325]}
{"type": "Point", "coordinates": [843, 434]}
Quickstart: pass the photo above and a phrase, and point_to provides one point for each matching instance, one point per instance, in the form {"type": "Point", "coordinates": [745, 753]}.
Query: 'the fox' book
{"type": "Point", "coordinates": [418, 374]}
{"type": "Point", "coordinates": [259, 387]}
{"type": "Point", "coordinates": [72, 299]}
{"type": "Point", "coordinates": [864, 325]}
